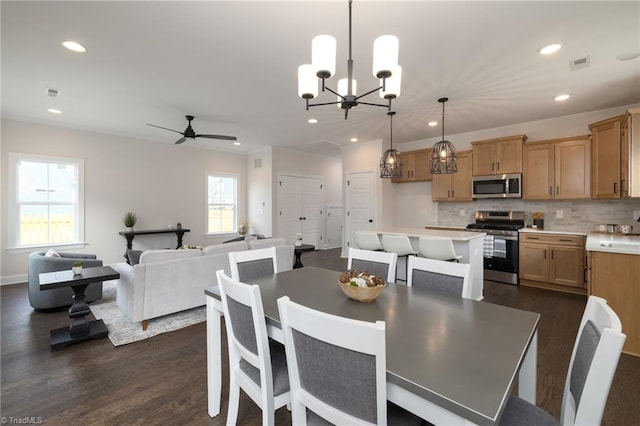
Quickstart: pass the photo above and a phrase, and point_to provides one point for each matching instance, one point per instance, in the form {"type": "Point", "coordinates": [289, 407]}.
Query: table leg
{"type": "Point", "coordinates": [214, 356]}
{"type": "Point", "coordinates": [527, 377]}
{"type": "Point", "coordinates": [298, 263]}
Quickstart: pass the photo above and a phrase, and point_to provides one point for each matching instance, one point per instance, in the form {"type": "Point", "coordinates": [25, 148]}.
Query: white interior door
{"type": "Point", "coordinates": [300, 209]}
{"type": "Point", "coordinates": [361, 203]}
{"type": "Point", "coordinates": [334, 226]}
{"type": "Point", "coordinates": [312, 211]}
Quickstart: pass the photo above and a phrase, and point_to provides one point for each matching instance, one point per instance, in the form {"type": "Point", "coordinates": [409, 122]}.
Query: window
{"type": "Point", "coordinates": [221, 204]}
{"type": "Point", "coordinates": [46, 199]}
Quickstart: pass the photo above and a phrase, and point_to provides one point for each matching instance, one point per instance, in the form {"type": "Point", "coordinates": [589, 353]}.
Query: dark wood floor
{"type": "Point", "coordinates": [162, 380]}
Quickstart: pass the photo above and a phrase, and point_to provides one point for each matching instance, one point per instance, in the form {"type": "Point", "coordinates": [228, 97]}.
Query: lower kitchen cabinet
{"type": "Point", "coordinates": [616, 277]}
{"type": "Point", "coordinates": [553, 261]}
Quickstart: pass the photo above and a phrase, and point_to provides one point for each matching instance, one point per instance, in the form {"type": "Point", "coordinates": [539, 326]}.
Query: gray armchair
{"type": "Point", "coordinates": [59, 297]}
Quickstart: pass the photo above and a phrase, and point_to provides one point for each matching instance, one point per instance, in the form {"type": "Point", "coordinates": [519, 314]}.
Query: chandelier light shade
{"type": "Point", "coordinates": [443, 155]}
{"type": "Point", "coordinates": [323, 66]}
{"type": "Point", "coordinates": [390, 165]}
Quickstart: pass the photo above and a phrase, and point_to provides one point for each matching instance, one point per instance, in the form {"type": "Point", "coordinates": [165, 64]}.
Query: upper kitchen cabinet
{"type": "Point", "coordinates": [415, 166]}
{"type": "Point", "coordinates": [606, 140]}
{"type": "Point", "coordinates": [498, 156]}
{"type": "Point", "coordinates": [454, 186]}
{"type": "Point", "coordinates": [557, 169]}
{"type": "Point", "coordinates": [630, 155]}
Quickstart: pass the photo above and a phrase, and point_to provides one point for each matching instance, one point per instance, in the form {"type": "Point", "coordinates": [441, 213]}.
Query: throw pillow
{"type": "Point", "coordinates": [134, 256]}
{"type": "Point", "coordinates": [52, 253]}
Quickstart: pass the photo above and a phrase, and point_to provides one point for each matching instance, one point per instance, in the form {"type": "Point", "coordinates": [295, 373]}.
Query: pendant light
{"type": "Point", "coordinates": [390, 166]}
{"type": "Point", "coordinates": [443, 155]}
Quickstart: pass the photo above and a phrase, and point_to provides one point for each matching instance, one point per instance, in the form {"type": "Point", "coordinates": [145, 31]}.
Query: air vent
{"type": "Point", "coordinates": [54, 93]}
{"type": "Point", "coordinates": [257, 163]}
{"type": "Point", "coordinates": [580, 63]}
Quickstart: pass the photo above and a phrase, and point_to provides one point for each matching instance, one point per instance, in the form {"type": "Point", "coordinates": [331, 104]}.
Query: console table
{"type": "Point", "coordinates": [129, 235]}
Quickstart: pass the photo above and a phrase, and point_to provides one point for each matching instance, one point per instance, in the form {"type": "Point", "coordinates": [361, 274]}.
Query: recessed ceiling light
{"type": "Point", "coordinates": [627, 56]}
{"type": "Point", "coordinates": [236, 143]}
{"type": "Point", "coordinates": [551, 48]}
{"type": "Point", "coordinates": [432, 123]}
{"type": "Point", "coordinates": [54, 111]}
{"type": "Point", "coordinates": [561, 98]}
{"type": "Point", "coordinates": [74, 46]}
{"type": "Point", "coordinates": [312, 121]}
{"type": "Point", "coordinates": [354, 139]}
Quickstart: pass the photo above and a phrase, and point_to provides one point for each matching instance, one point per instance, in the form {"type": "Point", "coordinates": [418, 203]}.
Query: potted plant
{"type": "Point", "coordinates": [77, 268]}
{"type": "Point", "coordinates": [130, 220]}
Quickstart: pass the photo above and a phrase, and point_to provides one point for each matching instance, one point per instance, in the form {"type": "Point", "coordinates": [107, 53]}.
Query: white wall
{"type": "Point", "coordinates": [163, 183]}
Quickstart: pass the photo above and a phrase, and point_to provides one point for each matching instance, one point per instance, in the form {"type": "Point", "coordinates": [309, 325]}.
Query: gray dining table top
{"type": "Point", "coordinates": [460, 354]}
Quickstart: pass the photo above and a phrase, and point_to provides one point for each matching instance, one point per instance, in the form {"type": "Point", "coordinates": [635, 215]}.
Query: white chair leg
{"type": "Point", "coordinates": [234, 402]}
{"type": "Point", "coordinates": [268, 413]}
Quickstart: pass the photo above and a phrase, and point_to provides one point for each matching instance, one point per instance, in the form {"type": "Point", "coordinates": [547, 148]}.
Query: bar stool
{"type": "Point", "coordinates": [368, 241]}
{"type": "Point", "coordinates": [438, 248]}
{"type": "Point", "coordinates": [400, 245]}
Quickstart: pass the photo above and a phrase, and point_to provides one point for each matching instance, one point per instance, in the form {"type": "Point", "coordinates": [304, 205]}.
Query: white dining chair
{"type": "Point", "coordinates": [366, 240]}
{"type": "Point", "coordinates": [249, 264]}
{"type": "Point", "coordinates": [399, 244]}
{"type": "Point", "coordinates": [375, 262]}
{"type": "Point", "coordinates": [438, 248]}
{"type": "Point", "coordinates": [593, 364]}
{"type": "Point", "coordinates": [257, 364]}
{"type": "Point", "coordinates": [337, 369]}
{"type": "Point", "coordinates": [439, 275]}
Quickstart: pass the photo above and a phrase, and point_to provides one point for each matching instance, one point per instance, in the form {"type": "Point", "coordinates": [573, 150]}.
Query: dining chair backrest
{"type": "Point", "coordinates": [375, 262]}
{"type": "Point", "coordinates": [399, 244]}
{"type": "Point", "coordinates": [247, 265]}
{"type": "Point", "coordinates": [439, 275]}
{"type": "Point", "coordinates": [594, 360]}
{"type": "Point", "coordinates": [593, 364]}
{"type": "Point", "coordinates": [367, 240]}
{"type": "Point", "coordinates": [256, 364]}
{"type": "Point", "coordinates": [336, 366]}
{"type": "Point", "coordinates": [437, 248]}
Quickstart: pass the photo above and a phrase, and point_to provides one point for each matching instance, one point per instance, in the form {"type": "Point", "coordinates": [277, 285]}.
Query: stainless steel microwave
{"type": "Point", "coordinates": [497, 186]}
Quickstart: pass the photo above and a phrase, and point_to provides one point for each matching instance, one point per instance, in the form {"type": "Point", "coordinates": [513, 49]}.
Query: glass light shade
{"type": "Point", "coordinates": [323, 55]}
{"type": "Point", "coordinates": [385, 55]}
{"type": "Point", "coordinates": [443, 158]}
{"type": "Point", "coordinates": [390, 166]}
{"type": "Point", "coordinates": [343, 90]}
{"type": "Point", "coordinates": [307, 82]}
{"type": "Point", "coordinates": [392, 85]}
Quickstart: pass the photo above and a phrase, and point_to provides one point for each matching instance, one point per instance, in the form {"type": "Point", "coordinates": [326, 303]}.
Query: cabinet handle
{"type": "Point", "coordinates": [545, 253]}
{"type": "Point", "coordinates": [615, 187]}
{"type": "Point", "coordinates": [498, 166]}
{"type": "Point", "coordinates": [533, 238]}
{"type": "Point", "coordinates": [566, 240]}
{"type": "Point", "coordinates": [557, 189]}
{"type": "Point", "coordinates": [492, 167]}
{"type": "Point", "coordinates": [550, 190]}
{"type": "Point", "coordinates": [551, 254]}
{"type": "Point", "coordinates": [453, 193]}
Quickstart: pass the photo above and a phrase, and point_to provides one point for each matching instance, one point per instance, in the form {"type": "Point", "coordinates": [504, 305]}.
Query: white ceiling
{"type": "Point", "coordinates": [234, 66]}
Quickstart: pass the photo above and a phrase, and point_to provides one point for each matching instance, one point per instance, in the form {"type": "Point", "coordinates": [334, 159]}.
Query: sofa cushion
{"type": "Point", "coordinates": [266, 243]}
{"type": "Point", "coordinates": [225, 248]}
{"type": "Point", "coordinates": [149, 256]}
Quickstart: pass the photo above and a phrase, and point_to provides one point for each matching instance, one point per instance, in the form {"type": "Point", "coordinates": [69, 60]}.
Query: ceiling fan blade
{"type": "Point", "coordinates": [226, 138]}
{"type": "Point", "coordinates": [179, 141]}
{"type": "Point", "coordinates": [160, 127]}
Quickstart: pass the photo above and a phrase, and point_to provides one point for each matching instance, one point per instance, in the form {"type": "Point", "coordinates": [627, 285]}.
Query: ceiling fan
{"type": "Point", "coordinates": [189, 133]}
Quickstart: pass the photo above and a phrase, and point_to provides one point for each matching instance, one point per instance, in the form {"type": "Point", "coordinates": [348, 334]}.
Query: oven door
{"type": "Point", "coordinates": [502, 264]}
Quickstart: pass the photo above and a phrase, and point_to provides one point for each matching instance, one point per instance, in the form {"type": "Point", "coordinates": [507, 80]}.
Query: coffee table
{"type": "Point", "coordinates": [79, 328]}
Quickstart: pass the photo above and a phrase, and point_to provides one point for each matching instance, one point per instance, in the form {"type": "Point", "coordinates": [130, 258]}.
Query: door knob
{"type": "Point", "coordinates": [370, 220]}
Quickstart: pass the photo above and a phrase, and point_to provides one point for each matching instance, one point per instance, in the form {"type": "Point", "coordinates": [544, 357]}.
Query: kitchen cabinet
{"type": "Point", "coordinates": [630, 155]}
{"type": "Point", "coordinates": [557, 169]}
{"type": "Point", "coordinates": [498, 156]}
{"type": "Point", "coordinates": [415, 166]}
{"type": "Point", "coordinates": [553, 261]}
{"type": "Point", "coordinates": [616, 278]}
{"type": "Point", "coordinates": [454, 186]}
{"type": "Point", "coordinates": [606, 140]}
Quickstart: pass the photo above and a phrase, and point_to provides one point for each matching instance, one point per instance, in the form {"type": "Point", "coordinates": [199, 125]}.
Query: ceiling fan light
{"type": "Point", "coordinates": [385, 55]}
{"type": "Point", "coordinates": [307, 82]}
{"type": "Point", "coordinates": [323, 55]}
{"type": "Point", "coordinates": [392, 84]}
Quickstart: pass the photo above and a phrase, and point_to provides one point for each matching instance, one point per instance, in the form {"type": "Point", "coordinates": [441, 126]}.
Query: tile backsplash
{"type": "Point", "coordinates": [577, 215]}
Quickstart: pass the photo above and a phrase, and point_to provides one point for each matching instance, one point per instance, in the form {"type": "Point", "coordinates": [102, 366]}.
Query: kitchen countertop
{"type": "Point", "coordinates": [546, 231]}
{"type": "Point", "coordinates": [454, 235]}
{"type": "Point", "coordinates": [613, 243]}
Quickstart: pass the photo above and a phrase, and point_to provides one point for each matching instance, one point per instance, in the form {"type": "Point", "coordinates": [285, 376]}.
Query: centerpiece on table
{"type": "Point", "coordinates": [361, 286]}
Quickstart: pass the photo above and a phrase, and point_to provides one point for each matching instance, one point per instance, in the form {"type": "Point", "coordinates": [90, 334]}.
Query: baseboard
{"type": "Point", "coordinates": [555, 287]}
{"type": "Point", "coordinates": [14, 279]}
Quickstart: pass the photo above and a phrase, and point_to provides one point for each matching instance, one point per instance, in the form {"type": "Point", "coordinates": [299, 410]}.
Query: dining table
{"type": "Point", "coordinates": [450, 360]}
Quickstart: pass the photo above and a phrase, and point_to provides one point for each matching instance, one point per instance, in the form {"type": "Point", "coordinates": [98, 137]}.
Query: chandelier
{"type": "Point", "coordinates": [323, 66]}
{"type": "Point", "coordinates": [443, 155]}
{"type": "Point", "coordinates": [390, 166]}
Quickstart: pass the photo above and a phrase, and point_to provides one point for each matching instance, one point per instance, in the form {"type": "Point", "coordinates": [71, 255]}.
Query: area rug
{"type": "Point", "coordinates": [122, 331]}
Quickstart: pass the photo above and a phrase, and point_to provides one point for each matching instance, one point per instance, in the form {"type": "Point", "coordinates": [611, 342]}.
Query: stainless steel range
{"type": "Point", "coordinates": [500, 248]}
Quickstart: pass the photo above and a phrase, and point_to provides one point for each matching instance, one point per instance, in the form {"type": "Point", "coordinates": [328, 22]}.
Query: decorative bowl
{"type": "Point", "coordinates": [361, 294]}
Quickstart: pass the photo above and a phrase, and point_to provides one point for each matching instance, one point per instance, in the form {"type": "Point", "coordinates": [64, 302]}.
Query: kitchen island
{"type": "Point", "coordinates": [467, 244]}
{"type": "Point", "coordinates": [614, 274]}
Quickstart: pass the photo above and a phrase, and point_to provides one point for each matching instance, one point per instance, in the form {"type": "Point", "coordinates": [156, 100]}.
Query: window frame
{"type": "Point", "coordinates": [236, 206]}
{"type": "Point", "coordinates": [13, 214]}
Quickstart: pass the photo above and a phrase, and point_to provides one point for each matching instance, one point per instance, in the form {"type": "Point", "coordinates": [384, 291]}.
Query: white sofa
{"type": "Point", "coordinates": [169, 281]}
